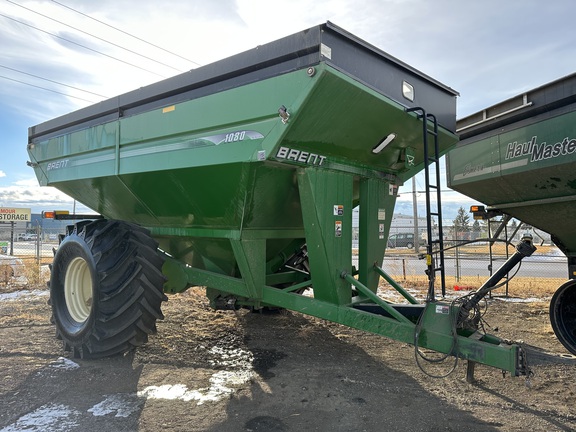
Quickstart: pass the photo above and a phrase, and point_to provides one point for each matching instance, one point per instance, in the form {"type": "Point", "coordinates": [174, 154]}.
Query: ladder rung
{"type": "Point", "coordinates": [432, 156]}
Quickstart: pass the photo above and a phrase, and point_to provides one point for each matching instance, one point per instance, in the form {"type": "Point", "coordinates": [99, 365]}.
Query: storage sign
{"type": "Point", "coordinates": [8, 214]}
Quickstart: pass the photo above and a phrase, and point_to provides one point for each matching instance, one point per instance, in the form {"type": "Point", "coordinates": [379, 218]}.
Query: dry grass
{"type": "Point", "coordinates": [6, 273]}
{"type": "Point", "coordinates": [29, 274]}
{"type": "Point", "coordinates": [33, 273]}
{"type": "Point", "coordinates": [522, 287]}
{"type": "Point", "coordinates": [18, 314]}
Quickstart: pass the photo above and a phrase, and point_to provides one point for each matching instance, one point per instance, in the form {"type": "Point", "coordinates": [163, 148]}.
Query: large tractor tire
{"type": "Point", "coordinates": [563, 315]}
{"type": "Point", "coordinates": [106, 288]}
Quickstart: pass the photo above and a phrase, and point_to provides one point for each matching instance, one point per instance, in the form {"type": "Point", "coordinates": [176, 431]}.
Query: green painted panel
{"type": "Point", "coordinates": [528, 171]}
{"type": "Point", "coordinates": [526, 163]}
{"type": "Point", "coordinates": [375, 216]}
{"type": "Point", "coordinates": [231, 110]}
{"type": "Point", "coordinates": [344, 120]}
{"type": "Point", "coordinates": [75, 167]}
{"type": "Point", "coordinates": [196, 150]}
{"type": "Point", "coordinates": [86, 140]}
{"type": "Point", "coordinates": [327, 209]}
{"type": "Point", "coordinates": [102, 194]}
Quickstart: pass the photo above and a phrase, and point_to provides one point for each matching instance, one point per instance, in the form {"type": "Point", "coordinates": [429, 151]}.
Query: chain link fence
{"type": "Point", "coordinates": [469, 261]}
{"type": "Point", "coordinates": [25, 254]}
{"type": "Point", "coordinates": [470, 258]}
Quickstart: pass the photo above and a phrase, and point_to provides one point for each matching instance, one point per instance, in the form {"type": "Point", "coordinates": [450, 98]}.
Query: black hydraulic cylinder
{"type": "Point", "coordinates": [524, 249]}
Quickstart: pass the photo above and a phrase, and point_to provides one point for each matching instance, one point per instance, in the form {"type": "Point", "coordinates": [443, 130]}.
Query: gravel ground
{"type": "Point", "coordinates": [238, 371]}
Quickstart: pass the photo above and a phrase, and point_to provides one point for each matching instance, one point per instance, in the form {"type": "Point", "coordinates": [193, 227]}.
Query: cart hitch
{"type": "Point", "coordinates": [524, 249]}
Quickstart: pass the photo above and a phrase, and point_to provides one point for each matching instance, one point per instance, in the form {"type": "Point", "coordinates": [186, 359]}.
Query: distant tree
{"type": "Point", "coordinates": [476, 229]}
{"type": "Point", "coordinates": [462, 220]}
{"type": "Point", "coordinates": [461, 223]}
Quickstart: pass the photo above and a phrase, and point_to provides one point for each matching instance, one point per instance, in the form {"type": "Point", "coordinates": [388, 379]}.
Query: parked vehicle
{"type": "Point", "coordinates": [401, 240]}
{"type": "Point", "coordinates": [27, 237]}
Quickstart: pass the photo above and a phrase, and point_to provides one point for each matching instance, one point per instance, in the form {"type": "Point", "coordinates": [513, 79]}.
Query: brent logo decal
{"type": "Point", "coordinates": [291, 154]}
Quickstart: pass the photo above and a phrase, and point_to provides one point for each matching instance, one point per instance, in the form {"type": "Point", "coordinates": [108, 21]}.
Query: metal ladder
{"type": "Point", "coordinates": [435, 244]}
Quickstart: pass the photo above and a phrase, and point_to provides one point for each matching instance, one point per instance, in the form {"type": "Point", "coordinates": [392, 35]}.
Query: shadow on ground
{"type": "Point", "coordinates": [309, 379]}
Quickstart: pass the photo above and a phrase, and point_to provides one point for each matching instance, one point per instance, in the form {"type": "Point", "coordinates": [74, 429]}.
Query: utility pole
{"type": "Point", "coordinates": [415, 213]}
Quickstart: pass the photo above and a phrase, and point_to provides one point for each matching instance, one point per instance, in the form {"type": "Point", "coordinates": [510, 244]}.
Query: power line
{"type": "Point", "coordinates": [52, 81]}
{"type": "Point", "coordinates": [94, 36]}
{"type": "Point", "coordinates": [44, 88]}
{"type": "Point", "coordinates": [80, 45]}
{"type": "Point", "coordinates": [126, 33]}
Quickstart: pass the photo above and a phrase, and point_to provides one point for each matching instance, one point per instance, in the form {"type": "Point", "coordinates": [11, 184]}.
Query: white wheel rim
{"type": "Point", "coordinates": [78, 289]}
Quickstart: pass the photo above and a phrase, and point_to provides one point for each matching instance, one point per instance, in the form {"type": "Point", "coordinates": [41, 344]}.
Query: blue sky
{"type": "Point", "coordinates": [488, 51]}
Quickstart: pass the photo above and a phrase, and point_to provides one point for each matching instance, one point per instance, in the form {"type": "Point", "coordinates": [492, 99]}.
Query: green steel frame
{"type": "Point", "coordinates": [342, 293]}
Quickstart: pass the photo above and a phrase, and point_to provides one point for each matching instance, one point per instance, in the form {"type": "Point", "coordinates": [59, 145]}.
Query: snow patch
{"type": "Point", "coordinates": [222, 383]}
{"type": "Point", "coordinates": [23, 294]}
{"type": "Point", "coordinates": [47, 418]}
{"type": "Point", "coordinates": [121, 405]}
{"type": "Point", "coordinates": [64, 364]}
{"type": "Point", "coordinates": [520, 300]}
{"type": "Point", "coordinates": [235, 357]}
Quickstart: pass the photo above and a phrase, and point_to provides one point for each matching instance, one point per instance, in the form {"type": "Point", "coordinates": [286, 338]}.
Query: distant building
{"type": "Point", "coordinates": [47, 224]}
{"type": "Point", "coordinates": [404, 223]}
{"type": "Point", "coordinates": [400, 224]}
{"type": "Point", "coordinates": [48, 227]}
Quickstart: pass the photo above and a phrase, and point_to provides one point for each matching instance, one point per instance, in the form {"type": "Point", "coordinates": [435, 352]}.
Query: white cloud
{"type": "Point", "coordinates": [27, 194]}
{"type": "Point", "coordinates": [2, 173]}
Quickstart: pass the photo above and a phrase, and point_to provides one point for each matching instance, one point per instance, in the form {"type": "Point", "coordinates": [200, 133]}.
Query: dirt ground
{"type": "Point", "coordinates": [238, 371]}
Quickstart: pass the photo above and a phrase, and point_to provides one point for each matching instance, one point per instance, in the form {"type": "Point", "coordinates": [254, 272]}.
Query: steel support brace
{"type": "Point", "coordinates": [395, 285]}
{"type": "Point", "coordinates": [327, 200]}
{"type": "Point", "coordinates": [375, 217]}
{"type": "Point", "coordinates": [372, 296]}
{"type": "Point", "coordinates": [226, 284]}
{"type": "Point", "coordinates": [251, 259]}
{"type": "Point", "coordinates": [435, 333]}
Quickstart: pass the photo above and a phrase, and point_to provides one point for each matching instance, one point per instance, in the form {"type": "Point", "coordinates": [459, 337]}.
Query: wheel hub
{"type": "Point", "coordinates": [78, 289]}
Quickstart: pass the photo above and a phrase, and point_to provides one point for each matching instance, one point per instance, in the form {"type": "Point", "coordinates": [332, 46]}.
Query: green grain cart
{"type": "Point", "coordinates": [241, 177]}
{"type": "Point", "coordinates": [519, 157]}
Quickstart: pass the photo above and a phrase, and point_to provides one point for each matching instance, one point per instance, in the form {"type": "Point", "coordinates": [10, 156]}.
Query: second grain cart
{"type": "Point", "coordinates": [519, 157]}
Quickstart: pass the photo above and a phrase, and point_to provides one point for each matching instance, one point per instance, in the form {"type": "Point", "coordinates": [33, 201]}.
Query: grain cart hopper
{"type": "Point", "coordinates": [519, 157]}
{"type": "Point", "coordinates": [244, 174]}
